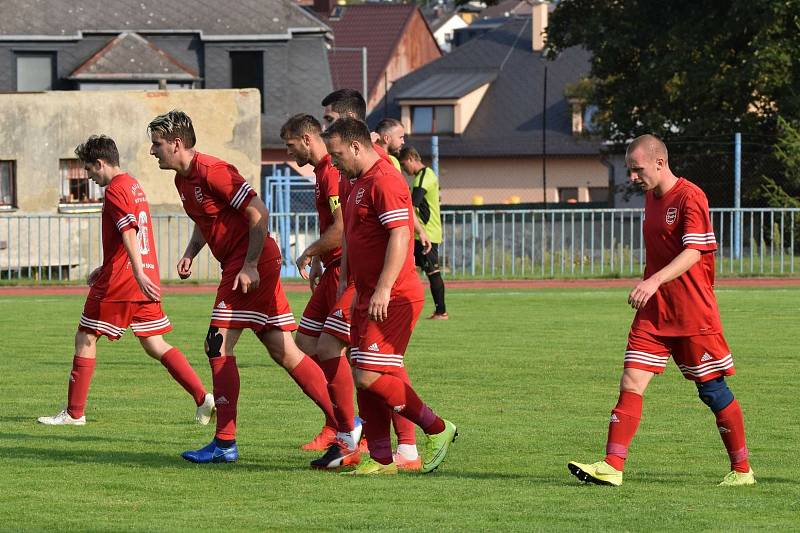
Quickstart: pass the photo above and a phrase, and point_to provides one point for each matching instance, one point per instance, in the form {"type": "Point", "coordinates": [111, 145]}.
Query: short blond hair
{"type": "Point", "coordinates": [174, 125]}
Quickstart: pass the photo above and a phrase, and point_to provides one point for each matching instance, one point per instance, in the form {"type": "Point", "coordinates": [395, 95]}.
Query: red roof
{"type": "Point", "coordinates": [379, 27]}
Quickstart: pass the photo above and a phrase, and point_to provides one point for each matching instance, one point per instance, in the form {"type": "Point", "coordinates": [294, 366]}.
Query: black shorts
{"type": "Point", "coordinates": [428, 262]}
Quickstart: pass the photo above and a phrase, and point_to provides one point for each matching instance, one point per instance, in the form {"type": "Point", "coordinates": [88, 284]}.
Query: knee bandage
{"type": "Point", "coordinates": [213, 343]}
{"type": "Point", "coordinates": [715, 394]}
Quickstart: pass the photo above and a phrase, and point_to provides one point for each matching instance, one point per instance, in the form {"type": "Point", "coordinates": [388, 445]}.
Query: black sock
{"type": "Point", "coordinates": [437, 290]}
{"type": "Point", "coordinates": [222, 443]}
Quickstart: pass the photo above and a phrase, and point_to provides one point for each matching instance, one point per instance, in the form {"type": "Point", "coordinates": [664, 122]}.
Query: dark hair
{"type": "Point", "coordinates": [347, 101]}
{"type": "Point", "coordinates": [299, 125]}
{"type": "Point", "coordinates": [98, 147]}
{"type": "Point", "coordinates": [174, 125]}
{"type": "Point", "coordinates": [409, 152]}
{"type": "Point", "coordinates": [349, 129]}
{"type": "Point", "coordinates": [385, 125]}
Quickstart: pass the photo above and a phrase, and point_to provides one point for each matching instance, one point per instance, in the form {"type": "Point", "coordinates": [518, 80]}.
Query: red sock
{"type": "Point", "coordinates": [730, 423]}
{"type": "Point", "coordinates": [180, 369]}
{"type": "Point", "coordinates": [376, 417]}
{"type": "Point", "coordinates": [309, 376]}
{"type": "Point", "coordinates": [401, 398]}
{"type": "Point", "coordinates": [340, 390]}
{"type": "Point", "coordinates": [622, 427]}
{"type": "Point", "coordinates": [403, 427]}
{"type": "Point", "coordinates": [79, 380]}
{"type": "Point", "coordinates": [225, 375]}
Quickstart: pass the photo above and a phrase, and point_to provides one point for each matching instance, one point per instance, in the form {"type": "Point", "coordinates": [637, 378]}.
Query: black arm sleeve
{"type": "Point", "coordinates": [417, 196]}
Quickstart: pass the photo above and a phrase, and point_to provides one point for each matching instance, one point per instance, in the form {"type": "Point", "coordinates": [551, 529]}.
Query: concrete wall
{"type": "Point", "coordinates": [41, 128]}
{"type": "Point", "coordinates": [499, 179]}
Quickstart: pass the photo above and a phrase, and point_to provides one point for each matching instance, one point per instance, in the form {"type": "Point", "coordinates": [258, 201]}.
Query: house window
{"type": "Point", "coordinates": [247, 71]}
{"type": "Point", "coordinates": [35, 71]}
{"type": "Point", "coordinates": [598, 194]}
{"type": "Point", "coordinates": [8, 185]}
{"type": "Point", "coordinates": [432, 119]}
{"type": "Point", "coordinates": [76, 187]}
{"type": "Point", "coordinates": [568, 195]}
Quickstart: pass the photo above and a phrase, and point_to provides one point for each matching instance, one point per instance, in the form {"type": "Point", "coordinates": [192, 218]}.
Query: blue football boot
{"type": "Point", "coordinates": [212, 453]}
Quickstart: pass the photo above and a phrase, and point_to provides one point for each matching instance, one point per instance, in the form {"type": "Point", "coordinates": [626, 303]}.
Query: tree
{"type": "Point", "coordinates": [683, 67]}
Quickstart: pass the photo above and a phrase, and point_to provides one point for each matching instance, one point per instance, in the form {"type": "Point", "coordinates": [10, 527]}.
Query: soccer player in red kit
{"type": "Point", "coordinates": [232, 220]}
{"type": "Point", "coordinates": [676, 315]}
{"type": "Point", "coordinates": [325, 325]}
{"type": "Point", "coordinates": [349, 103]}
{"type": "Point", "coordinates": [389, 297]}
{"type": "Point", "coordinates": [125, 290]}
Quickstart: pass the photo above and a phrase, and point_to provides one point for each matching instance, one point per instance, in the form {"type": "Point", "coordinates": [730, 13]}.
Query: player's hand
{"type": "Point", "coordinates": [148, 287]}
{"type": "Point", "coordinates": [302, 262]}
{"type": "Point", "coordinates": [378, 309]}
{"type": "Point", "coordinates": [184, 267]}
{"type": "Point", "coordinates": [642, 293]}
{"type": "Point", "coordinates": [425, 242]}
{"type": "Point", "coordinates": [314, 274]}
{"type": "Point", "coordinates": [247, 278]}
{"type": "Point", "coordinates": [92, 277]}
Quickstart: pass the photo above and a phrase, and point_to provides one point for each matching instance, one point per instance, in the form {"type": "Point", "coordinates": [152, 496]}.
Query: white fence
{"type": "Point", "coordinates": [559, 243]}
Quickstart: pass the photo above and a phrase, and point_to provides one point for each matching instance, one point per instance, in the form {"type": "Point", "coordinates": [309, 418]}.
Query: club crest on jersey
{"type": "Point", "coordinates": [198, 195]}
{"type": "Point", "coordinates": [672, 214]}
{"type": "Point", "coordinates": [359, 195]}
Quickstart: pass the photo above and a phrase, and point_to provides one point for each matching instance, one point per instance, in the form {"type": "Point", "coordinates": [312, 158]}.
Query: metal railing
{"type": "Point", "coordinates": [559, 243]}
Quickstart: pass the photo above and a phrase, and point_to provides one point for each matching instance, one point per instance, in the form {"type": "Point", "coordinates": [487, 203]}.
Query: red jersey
{"type": "Point", "coordinates": [685, 306]}
{"type": "Point", "coordinates": [124, 207]}
{"type": "Point", "coordinates": [378, 202]}
{"type": "Point", "coordinates": [346, 184]}
{"type": "Point", "coordinates": [327, 201]}
{"type": "Point", "coordinates": [215, 195]}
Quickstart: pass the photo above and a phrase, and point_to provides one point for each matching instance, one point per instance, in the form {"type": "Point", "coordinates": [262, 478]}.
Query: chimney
{"type": "Point", "coordinates": [539, 23]}
{"type": "Point", "coordinates": [324, 7]}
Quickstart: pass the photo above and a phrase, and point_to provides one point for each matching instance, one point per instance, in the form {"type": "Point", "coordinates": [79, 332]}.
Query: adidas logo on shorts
{"type": "Point", "coordinates": [723, 429]}
{"type": "Point", "coordinates": [221, 305]}
{"type": "Point", "coordinates": [338, 313]}
{"type": "Point", "coordinates": [706, 357]}
{"type": "Point", "coordinates": [373, 347]}
{"type": "Point", "coordinates": [613, 418]}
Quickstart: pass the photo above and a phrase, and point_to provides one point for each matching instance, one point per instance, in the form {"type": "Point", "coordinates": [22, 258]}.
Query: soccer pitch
{"type": "Point", "coordinates": [529, 377]}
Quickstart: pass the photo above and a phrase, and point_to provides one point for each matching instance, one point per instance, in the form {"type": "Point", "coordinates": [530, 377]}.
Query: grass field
{"type": "Point", "coordinates": [529, 377]}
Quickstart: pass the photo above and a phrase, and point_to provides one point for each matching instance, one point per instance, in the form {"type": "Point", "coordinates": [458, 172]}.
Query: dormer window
{"type": "Point", "coordinates": [443, 103]}
{"type": "Point", "coordinates": [432, 119]}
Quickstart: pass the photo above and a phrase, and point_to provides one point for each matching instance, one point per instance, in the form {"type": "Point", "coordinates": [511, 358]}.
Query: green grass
{"type": "Point", "coordinates": [529, 376]}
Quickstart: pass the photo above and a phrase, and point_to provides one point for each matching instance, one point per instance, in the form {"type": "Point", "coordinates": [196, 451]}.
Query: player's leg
{"type": "Point", "coordinates": [219, 347]}
{"type": "Point", "coordinates": [149, 324]}
{"type": "Point", "coordinates": [430, 264]}
{"type": "Point", "coordinates": [377, 416]}
{"type": "Point", "coordinates": [645, 356]}
{"type": "Point", "coordinates": [307, 339]}
{"type": "Point", "coordinates": [99, 318]}
{"type": "Point", "coordinates": [379, 354]}
{"type": "Point", "coordinates": [181, 371]}
{"type": "Point", "coordinates": [706, 360]}
{"type": "Point", "coordinates": [83, 364]}
{"type": "Point", "coordinates": [335, 365]}
{"type": "Point", "coordinates": [407, 456]}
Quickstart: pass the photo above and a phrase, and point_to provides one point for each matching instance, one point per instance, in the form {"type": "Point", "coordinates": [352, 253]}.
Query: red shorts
{"type": "Point", "coordinates": [380, 346]}
{"type": "Point", "coordinates": [324, 313]}
{"type": "Point", "coordinates": [699, 357]}
{"type": "Point", "coordinates": [262, 309]}
{"type": "Point", "coordinates": [111, 319]}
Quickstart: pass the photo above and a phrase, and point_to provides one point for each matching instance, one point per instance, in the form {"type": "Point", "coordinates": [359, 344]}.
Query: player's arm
{"type": "Point", "coordinates": [329, 240]}
{"type": "Point", "coordinates": [256, 215]}
{"type": "Point", "coordinates": [396, 251]}
{"type": "Point", "coordinates": [642, 293]}
{"type": "Point", "coordinates": [423, 237]}
{"type": "Point", "coordinates": [196, 243]}
{"type": "Point", "coordinates": [131, 244]}
{"type": "Point", "coordinates": [343, 281]}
